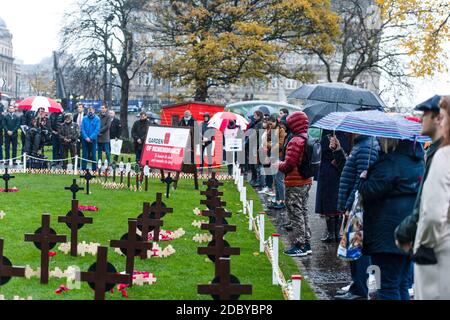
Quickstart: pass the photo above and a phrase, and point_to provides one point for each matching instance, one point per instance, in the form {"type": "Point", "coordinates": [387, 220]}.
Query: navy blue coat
{"type": "Point", "coordinates": [364, 154]}
{"type": "Point", "coordinates": [329, 176]}
{"type": "Point", "coordinates": [389, 194]}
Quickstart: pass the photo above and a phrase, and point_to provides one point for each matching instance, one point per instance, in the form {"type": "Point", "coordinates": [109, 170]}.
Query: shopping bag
{"type": "Point", "coordinates": [116, 146]}
{"type": "Point", "coordinates": [350, 247]}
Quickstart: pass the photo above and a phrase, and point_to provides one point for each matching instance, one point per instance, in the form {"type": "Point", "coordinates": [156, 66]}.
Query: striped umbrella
{"type": "Point", "coordinates": [220, 120]}
{"type": "Point", "coordinates": [373, 123]}
{"type": "Point", "coordinates": [35, 103]}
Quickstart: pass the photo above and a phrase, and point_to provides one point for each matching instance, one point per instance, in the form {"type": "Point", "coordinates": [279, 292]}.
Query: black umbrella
{"type": "Point", "coordinates": [338, 93]}
{"type": "Point", "coordinates": [317, 110]}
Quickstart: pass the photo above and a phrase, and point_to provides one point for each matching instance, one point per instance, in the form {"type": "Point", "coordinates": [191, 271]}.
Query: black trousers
{"type": "Point", "coordinates": [10, 141]}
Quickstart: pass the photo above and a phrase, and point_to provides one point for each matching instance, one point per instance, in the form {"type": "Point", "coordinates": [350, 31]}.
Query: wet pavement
{"type": "Point", "coordinates": [323, 270]}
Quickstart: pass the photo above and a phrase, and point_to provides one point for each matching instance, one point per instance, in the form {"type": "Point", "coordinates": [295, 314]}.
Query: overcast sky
{"type": "Point", "coordinates": [35, 25]}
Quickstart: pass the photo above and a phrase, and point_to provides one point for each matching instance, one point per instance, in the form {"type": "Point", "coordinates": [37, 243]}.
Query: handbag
{"type": "Point", "coordinates": [424, 256]}
{"type": "Point", "coordinates": [350, 247]}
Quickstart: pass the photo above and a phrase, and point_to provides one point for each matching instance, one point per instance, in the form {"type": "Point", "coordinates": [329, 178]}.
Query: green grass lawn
{"type": "Point", "coordinates": [177, 275]}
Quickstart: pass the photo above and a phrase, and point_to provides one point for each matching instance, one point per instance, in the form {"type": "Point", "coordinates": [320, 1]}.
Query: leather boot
{"type": "Point", "coordinates": [330, 235]}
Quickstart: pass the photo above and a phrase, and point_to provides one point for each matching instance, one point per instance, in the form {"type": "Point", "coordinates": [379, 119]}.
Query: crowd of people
{"type": "Point", "coordinates": [84, 134]}
{"type": "Point", "coordinates": [404, 185]}
{"type": "Point", "coordinates": [405, 190]}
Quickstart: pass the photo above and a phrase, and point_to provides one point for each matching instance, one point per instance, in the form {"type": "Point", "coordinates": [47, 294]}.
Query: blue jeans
{"type": "Point", "coordinates": [269, 181]}
{"type": "Point", "coordinates": [261, 176]}
{"type": "Point", "coordinates": [359, 273]}
{"type": "Point", "coordinates": [279, 186]}
{"type": "Point", "coordinates": [56, 147]}
{"type": "Point", "coordinates": [104, 146]}
{"type": "Point", "coordinates": [89, 153]}
{"type": "Point", "coordinates": [395, 276]}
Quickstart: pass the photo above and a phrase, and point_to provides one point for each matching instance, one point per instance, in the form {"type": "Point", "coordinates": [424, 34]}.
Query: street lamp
{"type": "Point", "coordinates": [105, 76]}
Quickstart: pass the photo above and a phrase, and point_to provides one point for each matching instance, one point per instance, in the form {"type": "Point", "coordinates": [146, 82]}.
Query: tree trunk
{"type": "Point", "coordinates": [201, 90]}
{"type": "Point", "coordinates": [124, 91]}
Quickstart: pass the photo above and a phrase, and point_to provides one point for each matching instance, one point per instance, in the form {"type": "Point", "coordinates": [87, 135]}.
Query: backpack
{"type": "Point", "coordinates": [311, 157]}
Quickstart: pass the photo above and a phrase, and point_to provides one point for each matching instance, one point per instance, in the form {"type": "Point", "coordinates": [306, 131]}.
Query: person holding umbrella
{"type": "Point", "coordinates": [364, 154]}
{"type": "Point", "coordinates": [90, 128]}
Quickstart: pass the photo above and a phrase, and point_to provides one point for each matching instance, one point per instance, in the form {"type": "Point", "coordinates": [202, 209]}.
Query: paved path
{"type": "Point", "coordinates": [323, 270]}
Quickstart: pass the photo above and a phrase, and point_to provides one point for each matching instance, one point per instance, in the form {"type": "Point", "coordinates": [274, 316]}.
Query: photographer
{"type": "Point", "coordinates": [38, 133]}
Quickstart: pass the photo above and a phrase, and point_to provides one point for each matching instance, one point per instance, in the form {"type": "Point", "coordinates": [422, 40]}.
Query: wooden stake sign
{"type": "Point", "coordinates": [102, 275]}
{"type": "Point", "coordinates": [128, 170]}
{"type": "Point", "coordinates": [75, 220]}
{"type": "Point", "coordinates": [131, 245]}
{"type": "Point", "coordinates": [45, 238]}
{"type": "Point", "coordinates": [88, 177]}
{"type": "Point", "coordinates": [146, 174]}
{"type": "Point", "coordinates": [6, 177]}
{"type": "Point", "coordinates": [7, 271]}
{"type": "Point", "coordinates": [225, 286]}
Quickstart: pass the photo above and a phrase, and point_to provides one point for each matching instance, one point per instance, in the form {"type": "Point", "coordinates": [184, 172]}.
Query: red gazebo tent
{"type": "Point", "coordinates": [171, 115]}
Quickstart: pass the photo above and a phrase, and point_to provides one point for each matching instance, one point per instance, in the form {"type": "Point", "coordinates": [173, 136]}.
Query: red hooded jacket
{"type": "Point", "coordinates": [298, 125]}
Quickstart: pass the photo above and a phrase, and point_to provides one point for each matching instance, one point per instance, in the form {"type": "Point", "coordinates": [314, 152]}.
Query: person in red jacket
{"type": "Point", "coordinates": [297, 187]}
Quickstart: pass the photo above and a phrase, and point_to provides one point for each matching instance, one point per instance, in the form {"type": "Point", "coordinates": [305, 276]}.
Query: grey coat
{"type": "Point", "coordinates": [105, 125]}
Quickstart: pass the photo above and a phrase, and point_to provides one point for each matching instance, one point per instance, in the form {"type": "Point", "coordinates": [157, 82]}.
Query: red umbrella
{"type": "Point", "coordinates": [221, 119]}
{"type": "Point", "coordinates": [35, 103]}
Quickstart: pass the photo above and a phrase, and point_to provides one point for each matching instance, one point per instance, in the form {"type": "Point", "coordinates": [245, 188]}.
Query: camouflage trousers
{"type": "Point", "coordinates": [297, 214]}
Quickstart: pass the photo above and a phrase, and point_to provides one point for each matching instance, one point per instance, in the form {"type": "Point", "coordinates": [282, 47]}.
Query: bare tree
{"type": "Point", "coordinates": [110, 31]}
{"type": "Point", "coordinates": [83, 76]}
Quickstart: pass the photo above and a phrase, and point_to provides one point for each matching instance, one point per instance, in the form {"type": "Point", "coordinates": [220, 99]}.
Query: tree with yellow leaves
{"type": "Point", "coordinates": [397, 38]}
{"type": "Point", "coordinates": [207, 44]}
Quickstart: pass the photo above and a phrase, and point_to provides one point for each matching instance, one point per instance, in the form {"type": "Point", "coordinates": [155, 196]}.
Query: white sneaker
{"type": "Point", "coordinates": [411, 292]}
{"type": "Point", "coordinates": [263, 190]}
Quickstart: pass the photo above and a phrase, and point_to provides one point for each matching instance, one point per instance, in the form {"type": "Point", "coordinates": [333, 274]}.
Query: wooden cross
{"type": "Point", "coordinates": [102, 276]}
{"type": "Point", "coordinates": [214, 223]}
{"type": "Point", "coordinates": [213, 203]}
{"type": "Point", "coordinates": [45, 238]}
{"type": "Point", "coordinates": [75, 220]}
{"type": "Point", "coordinates": [213, 182]}
{"type": "Point", "coordinates": [168, 180]}
{"type": "Point", "coordinates": [218, 248]}
{"type": "Point", "coordinates": [74, 188]}
{"type": "Point", "coordinates": [6, 177]}
{"type": "Point", "coordinates": [88, 177]}
{"type": "Point", "coordinates": [6, 269]}
{"type": "Point", "coordinates": [225, 286]}
{"type": "Point", "coordinates": [211, 193]}
{"type": "Point", "coordinates": [131, 245]}
{"type": "Point", "coordinates": [217, 218]}
{"type": "Point", "coordinates": [146, 224]}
